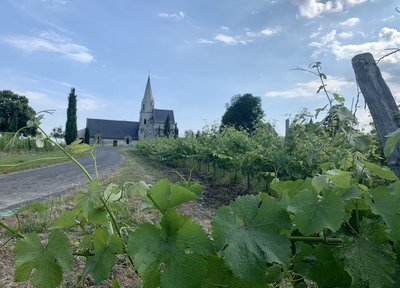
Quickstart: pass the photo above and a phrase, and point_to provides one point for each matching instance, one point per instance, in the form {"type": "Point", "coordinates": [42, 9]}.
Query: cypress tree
{"type": "Point", "coordinates": [87, 136]}
{"type": "Point", "coordinates": [71, 130]}
{"type": "Point", "coordinates": [167, 127]}
{"type": "Point", "coordinates": [176, 131]}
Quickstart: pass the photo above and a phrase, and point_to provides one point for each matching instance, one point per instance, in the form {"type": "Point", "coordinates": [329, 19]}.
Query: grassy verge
{"type": "Point", "coordinates": [14, 162]}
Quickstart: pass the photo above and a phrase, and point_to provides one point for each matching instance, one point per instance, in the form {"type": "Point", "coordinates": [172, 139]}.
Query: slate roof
{"type": "Point", "coordinates": [113, 129]}
{"type": "Point", "coordinates": [160, 116]}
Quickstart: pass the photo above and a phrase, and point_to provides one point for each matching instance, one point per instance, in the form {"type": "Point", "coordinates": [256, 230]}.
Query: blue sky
{"type": "Point", "coordinates": [199, 54]}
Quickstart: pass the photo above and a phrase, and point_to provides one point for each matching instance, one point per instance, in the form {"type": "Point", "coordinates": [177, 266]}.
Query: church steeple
{"type": "Point", "coordinates": [146, 129]}
{"type": "Point", "coordinates": [148, 101]}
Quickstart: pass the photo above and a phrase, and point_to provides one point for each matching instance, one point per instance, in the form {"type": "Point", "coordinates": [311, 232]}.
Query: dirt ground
{"type": "Point", "coordinates": [136, 168]}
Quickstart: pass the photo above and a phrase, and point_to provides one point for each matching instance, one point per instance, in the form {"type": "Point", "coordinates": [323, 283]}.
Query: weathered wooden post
{"type": "Point", "coordinates": [380, 101]}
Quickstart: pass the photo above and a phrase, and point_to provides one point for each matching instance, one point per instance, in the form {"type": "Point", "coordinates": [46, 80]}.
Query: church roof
{"type": "Point", "coordinates": [160, 116]}
{"type": "Point", "coordinates": [113, 129]}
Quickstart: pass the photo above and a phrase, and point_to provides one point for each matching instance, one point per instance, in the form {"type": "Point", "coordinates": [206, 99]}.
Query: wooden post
{"type": "Point", "coordinates": [287, 127]}
{"type": "Point", "coordinates": [380, 101]}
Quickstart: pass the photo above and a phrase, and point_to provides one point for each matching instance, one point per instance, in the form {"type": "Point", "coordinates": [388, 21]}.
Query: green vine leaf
{"type": "Point", "coordinates": [387, 205]}
{"type": "Point", "coordinates": [43, 264]}
{"type": "Point", "coordinates": [391, 142]}
{"type": "Point", "coordinates": [248, 245]}
{"type": "Point", "coordinates": [219, 275]}
{"type": "Point", "coordinates": [383, 172]}
{"type": "Point", "coordinates": [369, 259]}
{"type": "Point", "coordinates": [66, 219]}
{"type": "Point", "coordinates": [105, 248]}
{"type": "Point", "coordinates": [173, 255]}
{"type": "Point", "coordinates": [165, 196]}
{"type": "Point", "coordinates": [37, 207]}
{"type": "Point", "coordinates": [340, 178]}
{"type": "Point", "coordinates": [313, 212]}
{"type": "Point", "coordinates": [319, 264]}
{"type": "Point", "coordinates": [90, 200]}
{"type": "Point", "coordinates": [112, 193]}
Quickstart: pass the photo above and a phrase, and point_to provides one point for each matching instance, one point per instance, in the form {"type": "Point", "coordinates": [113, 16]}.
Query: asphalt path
{"type": "Point", "coordinates": [27, 186]}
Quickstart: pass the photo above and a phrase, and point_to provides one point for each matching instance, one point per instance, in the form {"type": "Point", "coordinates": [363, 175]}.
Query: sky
{"type": "Point", "coordinates": [199, 54]}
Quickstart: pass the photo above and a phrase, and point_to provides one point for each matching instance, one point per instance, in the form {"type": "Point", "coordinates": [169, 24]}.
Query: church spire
{"type": "Point", "coordinates": [148, 101]}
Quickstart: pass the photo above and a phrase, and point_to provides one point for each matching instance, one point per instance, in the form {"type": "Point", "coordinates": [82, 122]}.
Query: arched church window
{"type": "Point", "coordinates": [144, 121]}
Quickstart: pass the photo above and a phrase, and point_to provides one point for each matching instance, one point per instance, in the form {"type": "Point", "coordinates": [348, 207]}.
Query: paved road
{"type": "Point", "coordinates": [39, 183]}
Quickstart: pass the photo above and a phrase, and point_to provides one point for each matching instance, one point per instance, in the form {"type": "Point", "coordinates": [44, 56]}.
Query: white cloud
{"type": "Point", "coordinates": [350, 22]}
{"type": "Point", "coordinates": [313, 8]}
{"type": "Point", "coordinates": [229, 39]}
{"type": "Point", "coordinates": [245, 39]}
{"type": "Point", "coordinates": [51, 42]}
{"type": "Point", "coordinates": [387, 38]}
{"type": "Point", "coordinates": [43, 100]}
{"type": "Point", "coordinates": [204, 41]}
{"type": "Point", "coordinates": [307, 89]}
{"type": "Point", "coordinates": [345, 35]}
{"type": "Point", "coordinates": [87, 104]}
{"type": "Point", "coordinates": [225, 28]}
{"type": "Point", "coordinates": [270, 31]}
{"type": "Point", "coordinates": [178, 16]}
{"type": "Point", "coordinates": [60, 2]}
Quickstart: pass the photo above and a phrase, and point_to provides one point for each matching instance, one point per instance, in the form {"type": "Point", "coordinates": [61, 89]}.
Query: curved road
{"type": "Point", "coordinates": [35, 184]}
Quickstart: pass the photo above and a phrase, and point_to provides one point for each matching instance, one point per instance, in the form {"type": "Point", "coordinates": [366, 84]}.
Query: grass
{"type": "Point", "coordinates": [25, 160]}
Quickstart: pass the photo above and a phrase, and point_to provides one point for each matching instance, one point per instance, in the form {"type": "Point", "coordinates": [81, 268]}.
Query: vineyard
{"type": "Point", "coordinates": [322, 211]}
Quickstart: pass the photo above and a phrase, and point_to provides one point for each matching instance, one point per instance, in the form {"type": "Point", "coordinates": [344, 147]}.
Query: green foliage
{"type": "Point", "coordinates": [244, 111]}
{"type": "Point", "coordinates": [87, 136]}
{"type": "Point", "coordinates": [172, 255]}
{"type": "Point", "coordinates": [105, 247]}
{"type": "Point", "coordinates": [15, 113]}
{"type": "Point", "coordinates": [315, 212]}
{"type": "Point", "coordinates": [247, 234]}
{"type": "Point", "coordinates": [369, 259]}
{"type": "Point", "coordinates": [57, 133]}
{"type": "Point", "coordinates": [318, 262]}
{"type": "Point", "coordinates": [42, 264]}
{"type": "Point", "coordinates": [71, 129]}
{"type": "Point", "coordinates": [391, 142]}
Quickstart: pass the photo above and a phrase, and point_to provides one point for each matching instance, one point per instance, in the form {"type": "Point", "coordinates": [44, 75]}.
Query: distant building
{"type": "Point", "coordinates": [122, 133]}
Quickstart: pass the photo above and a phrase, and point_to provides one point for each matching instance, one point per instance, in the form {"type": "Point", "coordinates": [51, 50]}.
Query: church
{"type": "Point", "coordinates": [121, 133]}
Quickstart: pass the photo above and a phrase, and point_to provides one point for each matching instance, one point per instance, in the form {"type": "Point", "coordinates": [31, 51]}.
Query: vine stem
{"type": "Point", "coordinates": [13, 231]}
{"type": "Point", "coordinates": [333, 241]}
{"type": "Point", "coordinates": [68, 155]}
{"type": "Point", "coordinates": [115, 223]}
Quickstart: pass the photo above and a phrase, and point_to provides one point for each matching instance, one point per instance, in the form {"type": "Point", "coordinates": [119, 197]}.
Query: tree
{"type": "Point", "coordinates": [244, 111]}
{"type": "Point", "coordinates": [176, 131]}
{"type": "Point", "coordinates": [167, 127]}
{"type": "Point", "coordinates": [15, 113]}
{"type": "Point", "coordinates": [71, 130]}
{"type": "Point", "coordinates": [57, 133]}
{"type": "Point", "coordinates": [87, 136]}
